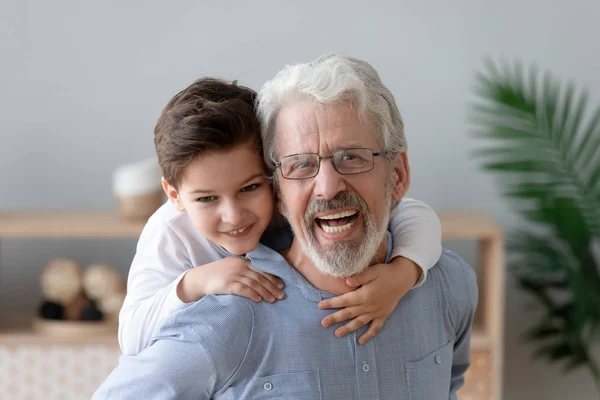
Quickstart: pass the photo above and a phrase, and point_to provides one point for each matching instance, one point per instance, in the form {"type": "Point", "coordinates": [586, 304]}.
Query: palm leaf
{"type": "Point", "coordinates": [547, 158]}
{"type": "Point", "coordinates": [546, 128]}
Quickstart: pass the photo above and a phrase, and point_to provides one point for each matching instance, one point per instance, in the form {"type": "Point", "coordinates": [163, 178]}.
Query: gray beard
{"type": "Point", "coordinates": [344, 258]}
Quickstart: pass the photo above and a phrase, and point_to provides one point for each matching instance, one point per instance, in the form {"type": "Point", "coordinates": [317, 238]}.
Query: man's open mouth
{"type": "Point", "coordinates": [338, 222]}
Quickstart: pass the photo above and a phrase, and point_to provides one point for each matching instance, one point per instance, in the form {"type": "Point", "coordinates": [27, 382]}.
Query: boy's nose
{"type": "Point", "coordinates": [233, 214]}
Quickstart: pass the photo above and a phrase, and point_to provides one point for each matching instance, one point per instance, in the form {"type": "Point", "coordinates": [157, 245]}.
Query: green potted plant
{"type": "Point", "coordinates": [543, 144]}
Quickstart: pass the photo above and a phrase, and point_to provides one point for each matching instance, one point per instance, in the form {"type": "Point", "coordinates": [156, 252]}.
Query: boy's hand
{"type": "Point", "coordinates": [231, 275]}
{"type": "Point", "coordinates": [381, 287]}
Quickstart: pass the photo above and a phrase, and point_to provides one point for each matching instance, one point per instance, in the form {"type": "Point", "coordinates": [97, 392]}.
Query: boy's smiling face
{"type": "Point", "coordinates": [227, 197]}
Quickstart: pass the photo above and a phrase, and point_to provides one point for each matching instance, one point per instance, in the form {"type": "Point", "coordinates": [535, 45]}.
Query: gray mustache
{"type": "Point", "coordinates": [341, 200]}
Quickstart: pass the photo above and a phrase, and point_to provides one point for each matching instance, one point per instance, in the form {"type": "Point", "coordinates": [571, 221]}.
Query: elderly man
{"type": "Point", "coordinates": [334, 136]}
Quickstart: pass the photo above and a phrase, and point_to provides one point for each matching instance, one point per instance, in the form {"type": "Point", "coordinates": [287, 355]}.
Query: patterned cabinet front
{"type": "Point", "coordinates": [54, 372]}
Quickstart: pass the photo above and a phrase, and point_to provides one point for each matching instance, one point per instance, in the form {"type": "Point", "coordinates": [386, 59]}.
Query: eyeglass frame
{"type": "Point", "coordinates": [373, 153]}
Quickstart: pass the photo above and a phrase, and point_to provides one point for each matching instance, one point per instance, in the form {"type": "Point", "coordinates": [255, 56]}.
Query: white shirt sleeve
{"type": "Point", "coordinates": [160, 262]}
{"type": "Point", "coordinates": [417, 233]}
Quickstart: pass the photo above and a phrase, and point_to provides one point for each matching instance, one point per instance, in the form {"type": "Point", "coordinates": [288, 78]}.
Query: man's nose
{"type": "Point", "coordinates": [233, 213]}
{"type": "Point", "coordinates": [328, 181]}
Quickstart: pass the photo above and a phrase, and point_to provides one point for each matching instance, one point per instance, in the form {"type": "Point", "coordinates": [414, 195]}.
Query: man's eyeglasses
{"type": "Point", "coordinates": [345, 162]}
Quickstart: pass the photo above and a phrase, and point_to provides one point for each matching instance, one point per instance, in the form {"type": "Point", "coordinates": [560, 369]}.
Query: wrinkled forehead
{"type": "Point", "coordinates": [312, 127]}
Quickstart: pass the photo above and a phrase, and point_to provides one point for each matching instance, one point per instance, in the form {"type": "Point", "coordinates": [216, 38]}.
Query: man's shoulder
{"type": "Point", "coordinates": [453, 278]}
{"type": "Point", "coordinates": [225, 314]}
{"type": "Point", "coordinates": [217, 328]}
{"type": "Point", "coordinates": [221, 324]}
{"type": "Point", "coordinates": [454, 263]}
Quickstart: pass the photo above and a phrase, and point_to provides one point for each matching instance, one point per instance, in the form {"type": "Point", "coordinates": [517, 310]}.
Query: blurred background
{"type": "Point", "coordinates": [82, 85]}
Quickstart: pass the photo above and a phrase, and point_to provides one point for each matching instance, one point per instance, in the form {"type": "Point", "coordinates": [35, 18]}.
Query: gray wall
{"type": "Point", "coordinates": [82, 84]}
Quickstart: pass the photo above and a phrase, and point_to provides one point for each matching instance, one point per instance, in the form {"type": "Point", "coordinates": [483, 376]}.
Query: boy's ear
{"type": "Point", "coordinates": [401, 176]}
{"type": "Point", "coordinates": [172, 194]}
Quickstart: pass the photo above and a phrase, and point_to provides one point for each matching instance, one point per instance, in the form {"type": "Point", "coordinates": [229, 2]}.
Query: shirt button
{"type": "Point", "coordinates": [366, 367]}
{"type": "Point", "coordinates": [268, 386]}
{"type": "Point", "coordinates": [438, 359]}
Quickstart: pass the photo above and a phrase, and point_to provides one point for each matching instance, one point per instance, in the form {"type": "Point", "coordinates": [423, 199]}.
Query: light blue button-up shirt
{"type": "Point", "coordinates": [228, 347]}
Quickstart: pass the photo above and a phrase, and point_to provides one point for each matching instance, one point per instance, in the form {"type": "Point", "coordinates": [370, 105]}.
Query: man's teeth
{"type": "Point", "coordinates": [343, 214]}
{"type": "Point", "coordinates": [238, 231]}
{"type": "Point", "coordinates": [337, 229]}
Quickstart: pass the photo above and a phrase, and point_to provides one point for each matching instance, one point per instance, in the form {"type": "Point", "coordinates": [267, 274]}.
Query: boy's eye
{"type": "Point", "coordinates": [206, 199]}
{"type": "Point", "coordinates": [250, 188]}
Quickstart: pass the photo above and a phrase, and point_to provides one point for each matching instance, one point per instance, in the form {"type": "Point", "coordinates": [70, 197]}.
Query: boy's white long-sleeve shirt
{"type": "Point", "coordinates": [170, 245]}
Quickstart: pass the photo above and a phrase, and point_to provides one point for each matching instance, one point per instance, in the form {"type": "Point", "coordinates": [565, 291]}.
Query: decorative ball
{"type": "Point", "coordinates": [111, 304]}
{"type": "Point", "coordinates": [61, 281]}
{"type": "Point", "coordinates": [51, 310]}
{"type": "Point", "coordinates": [74, 310]}
{"type": "Point", "coordinates": [91, 313]}
{"type": "Point", "coordinates": [101, 280]}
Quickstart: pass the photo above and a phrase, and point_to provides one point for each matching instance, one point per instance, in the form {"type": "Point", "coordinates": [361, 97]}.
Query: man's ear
{"type": "Point", "coordinates": [277, 198]}
{"type": "Point", "coordinates": [172, 194]}
{"type": "Point", "coordinates": [401, 176]}
{"type": "Point", "coordinates": [280, 206]}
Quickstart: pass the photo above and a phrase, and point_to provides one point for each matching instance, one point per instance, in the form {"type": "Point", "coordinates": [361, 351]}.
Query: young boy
{"type": "Point", "coordinates": [220, 206]}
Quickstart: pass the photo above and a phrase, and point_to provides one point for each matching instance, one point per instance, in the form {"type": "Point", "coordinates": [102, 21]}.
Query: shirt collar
{"type": "Point", "coordinates": [268, 260]}
{"type": "Point", "coordinates": [222, 251]}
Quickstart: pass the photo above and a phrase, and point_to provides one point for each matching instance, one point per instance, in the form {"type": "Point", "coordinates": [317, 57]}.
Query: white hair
{"type": "Point", "coordinates": [332, 78]}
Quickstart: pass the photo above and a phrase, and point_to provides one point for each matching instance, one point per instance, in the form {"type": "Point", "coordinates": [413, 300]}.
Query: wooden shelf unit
{"type": "Point", "coordinates": [488, 329]}
{"type": "Point", "coordinates": [487, 336]}
{"type": "Point", "coordinates": [67, 224]}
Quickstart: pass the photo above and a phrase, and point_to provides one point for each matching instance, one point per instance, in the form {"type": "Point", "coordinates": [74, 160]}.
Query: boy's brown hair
{"type": "Point", "coordinates": [210, 114]}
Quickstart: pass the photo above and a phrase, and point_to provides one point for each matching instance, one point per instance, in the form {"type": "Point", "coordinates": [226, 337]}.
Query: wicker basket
{"type": "Point", "coordinates": [140, 206]}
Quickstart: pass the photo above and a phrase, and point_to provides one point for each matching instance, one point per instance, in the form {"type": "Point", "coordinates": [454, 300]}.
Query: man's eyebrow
{"type": "Point", "coordinates": [198, 191]}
